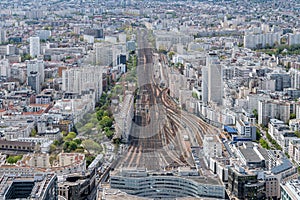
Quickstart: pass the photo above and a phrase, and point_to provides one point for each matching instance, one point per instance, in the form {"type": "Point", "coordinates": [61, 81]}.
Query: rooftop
{"type": "Point", "coordinates": [292, 187]}
{"type": "Point", "coordinates": [286, 164]}
{"type": "Point", "coordinates": [250, 155]}
{"type": "Point", "coordinates": [39, 183]}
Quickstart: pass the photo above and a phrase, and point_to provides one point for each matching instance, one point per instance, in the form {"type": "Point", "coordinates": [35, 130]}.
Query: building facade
{"type": "Point", "coordinates": [143, 184]}
{"type": "Point", "coordinates": [35, 48]}
{"type": "Point", "coordinates": [83, 79]}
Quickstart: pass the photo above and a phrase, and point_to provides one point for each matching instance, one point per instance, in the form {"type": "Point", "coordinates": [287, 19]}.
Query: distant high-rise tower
{"type": "Point", "coordinates": [106, 53]}
{"type": "Point", "coordinates": [214, 79]}
{"type": "Point", "coordinates": [205, 84]}
{"type": "Point", "coordinates": [34, 46]}
{"type": "Point", "coordinates": [2, 36]}
{"type": "Point", "coordinates": [36, 66]}
{"type": "Point", "coordinates": [33, 81]}
{"type": "Point", "coordinates": [5, 69]}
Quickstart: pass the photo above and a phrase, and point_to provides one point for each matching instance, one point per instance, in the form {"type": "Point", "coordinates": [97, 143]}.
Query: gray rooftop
{"type": "Point", "coordinates": [250, 155]}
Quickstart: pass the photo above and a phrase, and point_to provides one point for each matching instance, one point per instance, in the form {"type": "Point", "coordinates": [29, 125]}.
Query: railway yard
{"type": "Point", "coordinates": [163, 134]}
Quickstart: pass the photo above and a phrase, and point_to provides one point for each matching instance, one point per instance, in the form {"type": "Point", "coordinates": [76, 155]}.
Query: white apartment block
{"type": "Point", "coordinates": [212, 148]}
{"type": "Point", "coordinates": [253, 41]}
{"type": "Point", "coordinates": [106, 53]}
{"type": "Point", "coordinates": [269, 109]}
{"type": "Point", "coordinates": [82, 79]}
{"type": "Point", "coordinates": [294, 150]}
{"type": "Point", "coordinates": [281, 132]}
{"type": "Point", "coordinates": [295, 78]}
{"type": "Point", "coordinates": [274, 125]}
{"type": "Point", "coordinates": [294, 39]}
{"type": "Point", "coordinates": [34, 45]}
{"type": "Point", "coordinates": [4, 68]}
{"type": "Point", "coordinates": [43, 34]}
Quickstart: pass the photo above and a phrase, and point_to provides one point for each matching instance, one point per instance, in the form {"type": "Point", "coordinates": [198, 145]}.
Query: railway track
{"type": "Point", "coordinates": [165, 148]}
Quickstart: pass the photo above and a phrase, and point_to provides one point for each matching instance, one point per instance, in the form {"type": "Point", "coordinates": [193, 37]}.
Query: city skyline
{"type": "Point", "coordinates": [149, 99]}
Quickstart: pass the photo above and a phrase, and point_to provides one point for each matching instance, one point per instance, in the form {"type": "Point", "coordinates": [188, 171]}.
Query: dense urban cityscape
{"type": "Point", "coordinates": [149, 99]}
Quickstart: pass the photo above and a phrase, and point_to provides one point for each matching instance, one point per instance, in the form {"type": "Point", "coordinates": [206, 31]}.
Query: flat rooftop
{"type": "Point", "coordinates": [115, 194]}
{"type": "Point", "coordinates": [250, 155]}
{"type": "Point", "coordinates": [292, 187]}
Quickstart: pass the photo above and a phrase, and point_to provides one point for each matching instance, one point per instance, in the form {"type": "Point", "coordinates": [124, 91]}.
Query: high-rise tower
{"type": "Point", "coordinates": [35, 48]}
{"type": "Point", "coordinates": [212, 84]}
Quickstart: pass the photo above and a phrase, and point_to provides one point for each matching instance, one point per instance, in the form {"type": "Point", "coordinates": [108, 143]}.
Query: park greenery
{"type": "Point", "coordinates": [68, 143]}
{"type": "Point", "coordinates": [99, 121]}
{"type": "Point", "coordinates": [258, 134]}
{"type": "Point", "coordinates": [13, 159]}
{"type": "Point", "coordinates": [91, 146]}
{"type": "Point", "coordinates": [274, 143]}
{"type": "Point", "coordinates": [33, 132]}
{"type": "Point", "coordinates": [264, 143]}
{"type": "Point", "coordinates": [90, 130]}
{"type": "Point", "coordinates": [281, 50]}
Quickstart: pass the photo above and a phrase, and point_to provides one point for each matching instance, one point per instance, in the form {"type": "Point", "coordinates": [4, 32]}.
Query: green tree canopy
{"type": "Point", "coordinates": [13, 159]}
{"type": "Point", "coordinates": [91, 146]}
{"type": "Point", "coordinates": [106, 121]}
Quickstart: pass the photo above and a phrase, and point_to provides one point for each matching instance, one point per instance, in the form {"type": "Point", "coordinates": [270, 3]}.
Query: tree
{"type": "Point", "coordinates": [91, 145]}
{"type": "Point", "coordinates": [70, 136]}
{"type": "Point", "coordinates": [297, 133]}
{"type": "Point", "coordinates": [52, 148]}
{"type": "Point", "coordinates": [64, 133]}
{"type": "Point", "coordinates": [13, 159]}
{"type": "Point", "coordinates": [293, 116]}
{"type": "Point", "coordinates": [33, 133]}
{"type": "Point", "coordinates": [258, 134]}
{"type": "Point", "coordinates": [106, 121]}
{"type": "Point", "coordinates": [118, 89]}
{"type": "Point", "coordinates": [255, 113]}
{"type": "Point", "coordinates": [171, 54]}
{"type": "Point", "coordinates": [88, 127]}
{"type": "Point", "coordinates": [89, 159]}
{"type": "Point", "coordinates": [56, 142]}
{"type": "Point", "coordinates": [66, 146]}
{"type": "Point", "coordinates": [194, 95]}
{"type": "Point", "coordinates": [107, 113]}
{"type": "Point", "coordinates": [99, 114]}
{"type": "Point", "coordinates": [72, 146]}
{"type": "Point", "coordinates": [109, 134]}
{"type": "Point", "coordinates": [78, 141]}
{"type": "Point", "coordinates": [264, 143]}
{"type": "Point", "coordinates": [52, 159]}
{"type": "Point", "coordinates": [25, 57]}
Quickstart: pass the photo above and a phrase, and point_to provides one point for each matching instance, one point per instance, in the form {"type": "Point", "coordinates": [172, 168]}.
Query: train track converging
{"type": "Point", "coordinates": [164, 147]}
